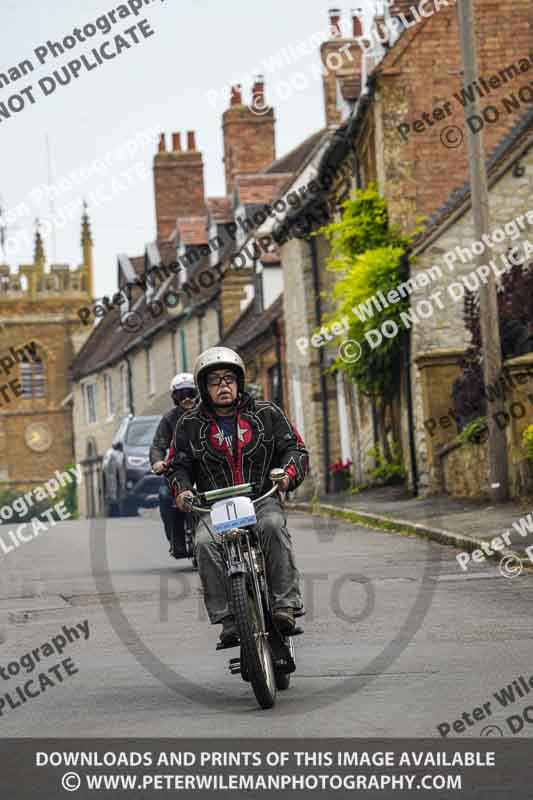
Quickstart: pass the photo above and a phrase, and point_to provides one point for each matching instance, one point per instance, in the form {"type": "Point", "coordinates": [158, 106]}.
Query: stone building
{"type": "Point", "coordinates": [164, 322]}
{"type": "Point", "coordinates": [128, 362]}
{"type": "Point", "coordinates": [40, 333]}
{"type": "Point", "coordinates": [440, 339]}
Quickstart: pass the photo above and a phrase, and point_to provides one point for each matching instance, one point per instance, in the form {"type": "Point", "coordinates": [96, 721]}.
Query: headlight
{"type": "Point", "coordinates": [137, 461]}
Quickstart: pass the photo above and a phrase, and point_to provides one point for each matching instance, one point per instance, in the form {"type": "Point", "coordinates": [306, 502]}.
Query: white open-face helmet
{"type": "Point", "coordinates": [183, 380]}
{"type": "Point", "coordinates": [218, 358]}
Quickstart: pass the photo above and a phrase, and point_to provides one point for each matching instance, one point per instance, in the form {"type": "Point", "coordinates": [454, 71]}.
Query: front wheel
{"type": "Point", "coordinates": [255, 650]}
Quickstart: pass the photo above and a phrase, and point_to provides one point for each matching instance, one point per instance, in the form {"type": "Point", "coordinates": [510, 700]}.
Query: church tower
{"type": "Point", "coordinates": [40, 333]}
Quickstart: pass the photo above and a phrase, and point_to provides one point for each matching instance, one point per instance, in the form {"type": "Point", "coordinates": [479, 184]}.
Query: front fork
{"type": "Point", "coordinates": [250, 561]}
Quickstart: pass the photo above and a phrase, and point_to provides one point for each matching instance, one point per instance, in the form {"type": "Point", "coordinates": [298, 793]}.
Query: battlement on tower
{"type": "Point", "coordinates": [34, 284]}
{"type": "Point", "coordinates": [47, 289]}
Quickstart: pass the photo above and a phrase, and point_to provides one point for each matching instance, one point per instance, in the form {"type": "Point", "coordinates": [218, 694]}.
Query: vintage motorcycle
{"type": "Point", "coordinates": [266, 656]}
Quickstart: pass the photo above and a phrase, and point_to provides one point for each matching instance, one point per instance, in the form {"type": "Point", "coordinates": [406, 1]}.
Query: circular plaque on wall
{"type": "Point", "coordinates": [38, 436]}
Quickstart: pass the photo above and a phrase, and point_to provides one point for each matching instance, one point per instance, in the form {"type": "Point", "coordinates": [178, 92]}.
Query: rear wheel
{"type": "Point", "coordinates": [255, 650]}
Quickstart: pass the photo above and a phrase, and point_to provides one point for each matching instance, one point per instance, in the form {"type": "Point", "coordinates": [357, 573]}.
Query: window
{"type": "Point", "coordinates": [90, 403]}
{"type": "Point", "coordinates": [32, 379]}
{"type": "Point", "coordinates": [150, 371]}
{"type": "Point", "coordinates": [124, 382]}
{"type": "Point", "coordinates": [141, 432]}
{"type": "Point", "coordinates": [110, 400]}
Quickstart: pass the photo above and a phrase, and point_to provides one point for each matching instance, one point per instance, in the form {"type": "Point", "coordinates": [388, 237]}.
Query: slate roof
{"type": "Point", "coordinates": [110, 340]}
{"type": "Point", "coordinates": [295, 158]}
{"type": "Point", "coordinates": [251, 325]}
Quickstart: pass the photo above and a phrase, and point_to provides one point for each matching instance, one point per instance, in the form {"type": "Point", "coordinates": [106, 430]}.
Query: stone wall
{"type": "Point", "coordinates": [465, 470]}
{"type": "Point", "coordinates": [437, 342]}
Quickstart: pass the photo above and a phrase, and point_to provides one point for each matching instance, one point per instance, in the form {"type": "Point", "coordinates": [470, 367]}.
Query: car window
{"type": "Point", "coordinates": [141, 433]}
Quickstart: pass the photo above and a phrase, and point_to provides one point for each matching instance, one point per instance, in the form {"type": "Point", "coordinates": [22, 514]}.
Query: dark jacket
{"type": "Point", "coordinates": [265, 439]}
{"type": "Point", "coordinates": [163, 435]}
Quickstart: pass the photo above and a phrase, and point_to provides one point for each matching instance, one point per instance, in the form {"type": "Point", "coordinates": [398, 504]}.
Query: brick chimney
{"type": "Point", "coordinates": [341, 57]}
{"type": "Point", "coordinates": [249, 134]}
{"type": "Point", "coordinates": [178, 183]}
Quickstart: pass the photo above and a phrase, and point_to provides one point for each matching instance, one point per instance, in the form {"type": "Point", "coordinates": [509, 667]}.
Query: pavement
{"type": "Point", "coordinates": [463, 524]}
{"type": "Point", "coordinates": [398, 640]}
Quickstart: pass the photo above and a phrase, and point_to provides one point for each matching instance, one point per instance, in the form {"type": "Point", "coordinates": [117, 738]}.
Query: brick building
{"type": "Point", "coordinates": [417, 72]}
{"type": "Point", "coordinates": [39, 310]}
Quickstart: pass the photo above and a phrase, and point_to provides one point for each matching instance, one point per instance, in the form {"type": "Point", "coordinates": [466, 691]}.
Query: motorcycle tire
{"type": "Point", "coordinates": [254, 652]}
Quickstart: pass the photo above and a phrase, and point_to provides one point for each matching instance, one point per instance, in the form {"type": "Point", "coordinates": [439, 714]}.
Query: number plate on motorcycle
{"type": "Point", "coordinates": [239, 512]}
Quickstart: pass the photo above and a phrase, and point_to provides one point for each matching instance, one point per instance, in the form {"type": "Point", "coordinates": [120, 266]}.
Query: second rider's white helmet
{"type": "Point", "coordinates": [183, 380]}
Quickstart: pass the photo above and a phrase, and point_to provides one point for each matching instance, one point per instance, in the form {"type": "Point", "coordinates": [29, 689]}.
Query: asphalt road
{"type": "Point", "coordinates": [397, 640]}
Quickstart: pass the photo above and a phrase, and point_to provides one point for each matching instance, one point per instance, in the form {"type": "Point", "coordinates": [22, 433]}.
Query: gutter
{"type": "Point", "coordinates": [140, 340]}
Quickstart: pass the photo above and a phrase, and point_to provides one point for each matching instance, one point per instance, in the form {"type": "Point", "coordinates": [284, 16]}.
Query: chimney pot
{"type": "Point", "coordinates": [258, 89]}
{"type": "Point", "coordinates": [191, 141]}
{"type": "Point", "coordinates": [335, 22]}
{"type": "Point", "coordinates": [176, 142]}
{"type": "Point", "coordinates": [162, 143]}
{"type": "Point", "coordinates": [357, 19]}
{"type": "Point", "coordinates": [236, 95]}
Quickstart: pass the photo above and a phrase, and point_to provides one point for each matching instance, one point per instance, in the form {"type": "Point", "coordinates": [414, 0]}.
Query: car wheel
{"type": "Point", "coordinates": [110, 507]}
{"type": "Point", "coordinates": [128, 508]}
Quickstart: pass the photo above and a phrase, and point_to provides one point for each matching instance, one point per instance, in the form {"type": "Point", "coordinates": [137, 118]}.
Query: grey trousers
{"type": "Point", "coordinates": [276, 543]}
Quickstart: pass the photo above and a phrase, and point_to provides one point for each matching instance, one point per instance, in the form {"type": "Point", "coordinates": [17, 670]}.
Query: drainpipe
{"type": "Point", "coordinates": [277, 338]}
{"type": "Point", "coordinates": [130, 386]}
{"type": "Point", "coordinates": [323, 379]}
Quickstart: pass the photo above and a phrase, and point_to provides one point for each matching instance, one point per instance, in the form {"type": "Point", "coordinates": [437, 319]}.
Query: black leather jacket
{"type": "Point", "coordinates": [164, 433]}
{"type": "Point", "coordinates": [263, 438]}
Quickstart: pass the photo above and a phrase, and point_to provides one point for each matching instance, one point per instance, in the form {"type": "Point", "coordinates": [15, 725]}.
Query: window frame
{"type": "Point", "coordinates": [94, 387]}
{"type": "Point", "coordinates": [109, 396]}
{"type": "Point", "coordinates": [125, 389]}
{"type": "Point", "coordinates": [150, 370]}
{"type": "Point", "coordinates": [33, 375]}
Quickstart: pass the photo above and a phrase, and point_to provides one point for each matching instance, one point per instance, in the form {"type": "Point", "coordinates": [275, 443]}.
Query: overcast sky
{"type": "Point", "coordinates": [199, 46]}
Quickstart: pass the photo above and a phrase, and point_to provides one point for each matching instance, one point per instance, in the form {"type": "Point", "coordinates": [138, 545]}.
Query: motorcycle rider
{"type": "Point", "coordinates": [184, 395]}
{"type": "Point", "coordinates": [227, 439]}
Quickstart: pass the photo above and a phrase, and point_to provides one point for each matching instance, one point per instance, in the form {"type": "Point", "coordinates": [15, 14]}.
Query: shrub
{"type": "Point", "coordinates": [475, 432]}
{"type": "Point", "coordinates": [386, 472]}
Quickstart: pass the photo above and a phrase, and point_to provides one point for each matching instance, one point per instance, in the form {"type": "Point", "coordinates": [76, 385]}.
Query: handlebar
{"type": "Point", "coordinates": [276, 476]}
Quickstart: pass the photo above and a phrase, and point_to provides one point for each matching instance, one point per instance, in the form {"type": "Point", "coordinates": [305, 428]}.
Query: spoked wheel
{"type": "Point", "coordinates": [255, 650]}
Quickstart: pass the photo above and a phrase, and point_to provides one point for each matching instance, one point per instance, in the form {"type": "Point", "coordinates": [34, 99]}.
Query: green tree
{"type": "Point", "coordinates": [369, 254]}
